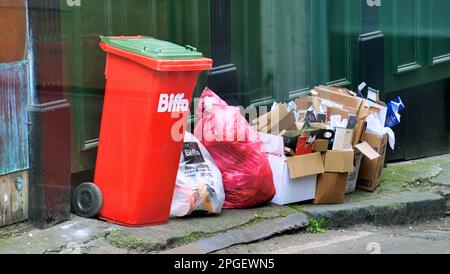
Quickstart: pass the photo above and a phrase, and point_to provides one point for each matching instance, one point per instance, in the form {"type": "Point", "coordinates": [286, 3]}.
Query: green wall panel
{"type": "Point", "coordinates": [283, 48]}
{"type": "Point", "coordinates": [179, 21]}
{"type": "Point", "coordinates": [439, 42]}
{"type": "Point", "coordinates": [417, 42]}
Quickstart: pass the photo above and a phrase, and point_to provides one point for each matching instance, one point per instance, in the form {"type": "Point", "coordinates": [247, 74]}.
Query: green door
{"type": "Point", "coordinates": [283, 48]}
{"type": "Point", "coordinates": [179, 21]}
{"type": "Point", "coordinates": [417, 42]}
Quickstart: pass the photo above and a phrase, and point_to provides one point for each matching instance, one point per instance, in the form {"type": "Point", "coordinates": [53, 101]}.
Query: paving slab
{"type": "Point", "coordinates": [95, 236]}
{"type": "Point", "coordinates": [410, 192]}
{"type": "Point", "coordinates": [393, 209]}
{"type": "Point", "coordinates": [244, 235]}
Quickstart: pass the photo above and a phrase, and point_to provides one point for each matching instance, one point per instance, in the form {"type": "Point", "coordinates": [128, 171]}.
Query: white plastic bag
{"type": "Point", "coordinates": [199, 185]}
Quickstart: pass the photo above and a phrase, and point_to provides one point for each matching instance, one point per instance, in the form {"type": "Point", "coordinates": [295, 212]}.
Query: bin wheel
{"type": "Point", "coordinates": [87, 200]}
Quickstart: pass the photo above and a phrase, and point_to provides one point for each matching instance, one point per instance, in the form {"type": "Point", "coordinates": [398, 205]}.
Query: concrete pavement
{"type": "Point", "coordinates": [412, 191]}
{"type": "Point", "coordinates": [432, 237]}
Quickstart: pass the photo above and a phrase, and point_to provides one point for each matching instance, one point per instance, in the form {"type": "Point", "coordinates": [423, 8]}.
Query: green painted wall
{"type": "Point", "coordinates": [179, 21]}
{"type": "Point", "coordinates": [283, 48]}
{"type": "Point", "coordinates": [417, 42]}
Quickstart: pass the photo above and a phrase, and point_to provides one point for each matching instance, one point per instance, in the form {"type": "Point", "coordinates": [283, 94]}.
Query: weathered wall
{"type": "Point", "coordinates": [14, 189]}
{"type": "Point", "coordinates": [12, 30]}
{"type": "Point", "coordinates": [14, 83]}
{"type": "Point", "coordinates": [13, 87]}
{"type": "Point", "coordinates": [13, 117]}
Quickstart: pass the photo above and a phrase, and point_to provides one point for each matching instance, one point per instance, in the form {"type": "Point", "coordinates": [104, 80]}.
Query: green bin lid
{"type": "Point", "coordinates": [151, 47]}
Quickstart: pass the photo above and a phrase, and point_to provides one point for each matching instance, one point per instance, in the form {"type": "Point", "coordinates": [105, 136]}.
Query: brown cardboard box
{"type": "Point", "coordinates": [304, 103]}
{"type": "Point", "coordinates": [331, 188]}
{"type": "Point", "coordinates": [332, 111]}
{"type": "Point", "coordinates": [276, 121]}
{"type": "Point", "coordinates": [286, 123]}
{"type": "Point", "coordinates": [347, 101]}
{"type": "Point", "coordinates": [339, 161]}
{"type": "Point", "coordinates": [361, 150]}
{"type": "Point", "coordinates": [305, 165]}
{"type": "Point", "coordinates": [358, 132]}
{"type": "Point", "coordinates": [292, 190]}
{"type": "Point", "coordinates": [367, 150]}
{"type": "Point", "coordinates": [370, 173]}
{"type": "Point", "coordinates": [321, 145]}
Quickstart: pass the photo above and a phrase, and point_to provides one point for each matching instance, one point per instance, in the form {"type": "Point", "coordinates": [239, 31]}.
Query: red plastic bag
{"type": "Point", "coordinates": [237, 151]}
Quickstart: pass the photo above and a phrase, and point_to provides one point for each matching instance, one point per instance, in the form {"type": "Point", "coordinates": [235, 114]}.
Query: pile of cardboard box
{"type": "Point", "coordinates": [321, 148]}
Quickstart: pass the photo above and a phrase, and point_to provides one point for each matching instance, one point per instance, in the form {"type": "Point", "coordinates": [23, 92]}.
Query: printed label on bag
{"type": "Point", "coordinates": [173, 103]}
{"type": "Point", "coordinates": [192, 154]}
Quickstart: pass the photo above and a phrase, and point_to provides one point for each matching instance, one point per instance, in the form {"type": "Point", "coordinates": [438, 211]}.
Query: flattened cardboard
{"type": "Point", "coordinates": [305, 165]}
{"type": "Point", "coordinates": [339, 161]}
{"type": "Point", "coordinates": [321, 145]}
{"type": "Point", "coordinates": [346, 100]}
{"type": "Point", "coordinates": [380, 108]}
{"type": "Point", "coordinates": [316, 103]}
{"type": "Point", "coordinates": [331, 188]}
{"type": "Point", "coordinates": [289, 190]}
{"type": "Point", "coordinates": [277, 120]}
{"type": "Point", "coordinates": [332, 111]}
{"type": "Point", "coordinates": [262, 122]}
{"type": "Point", "coordinates": [286, 123]}
{"type": "Point", "coordinates": [272, 144]}
{"type": "Point", "coordinates": [318, 125]}
{"type": "Point", "coordinates": [364, 111]}
{"type": "Point", "coordinates": [343, 139]}
{"type": "Point", "coordinates": [358, 132]}
{"type": "Point", "coordinates": [341, 90]}
{"type": "Point", "coordinates": [278, 113]}
{"type": "Point", "coordinates": [353, 111]}
{"type": "Point", "coordinates": [370, 174]}
{"type": "Point", "coordinates": [368, 151]}
{"type": "Point", "coordinates": [304, 103]}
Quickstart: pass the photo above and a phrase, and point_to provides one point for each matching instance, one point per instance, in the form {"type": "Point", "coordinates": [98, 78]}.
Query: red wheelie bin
{"type": "Point", "coordinates": [149, 89]}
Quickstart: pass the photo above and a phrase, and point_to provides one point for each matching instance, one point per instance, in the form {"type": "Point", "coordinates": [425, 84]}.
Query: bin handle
{"type": "Point", "coordinates": [147, 49]}
{"type": "Point", "coordinates": [191, 48]}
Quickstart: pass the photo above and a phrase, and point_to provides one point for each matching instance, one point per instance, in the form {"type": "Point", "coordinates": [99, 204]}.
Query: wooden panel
{"type": "Point", "coordinates": [13, 198]}
{"type": "Point", "coordinates": [13, 117]}
{"type": "Point", "coordinates": [13, 30]}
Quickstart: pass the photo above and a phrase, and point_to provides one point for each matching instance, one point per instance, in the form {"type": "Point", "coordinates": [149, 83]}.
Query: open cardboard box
{"type": "Point", "coordinates": [371, 168]}
{"type": "Point", "coordinates": [295, 178]}
{"type": "Point", "coordinates": [341, 172]}
{"type": "Point", "coordinates": [350, 103]}
{"type": "Point", "coordinates": [339, 161]}
{"type": "Point", "coordinates": [331, 187]}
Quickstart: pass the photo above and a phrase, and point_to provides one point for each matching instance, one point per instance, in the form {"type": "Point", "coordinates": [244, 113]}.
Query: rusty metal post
{"type": "Point", "coordinates": [49, 118]}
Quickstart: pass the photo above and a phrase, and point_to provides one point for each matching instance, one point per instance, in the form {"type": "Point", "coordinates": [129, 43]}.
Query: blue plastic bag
{"type": "Point", "coordinates": [393, 113]}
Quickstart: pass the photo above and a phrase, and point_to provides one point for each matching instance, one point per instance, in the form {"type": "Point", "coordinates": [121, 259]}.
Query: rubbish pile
{"type": "Point", "coordinates": [317, 148]}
